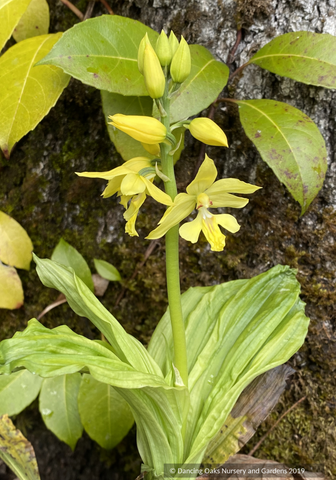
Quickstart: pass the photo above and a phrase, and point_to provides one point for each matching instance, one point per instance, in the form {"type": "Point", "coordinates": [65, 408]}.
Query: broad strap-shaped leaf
{"type": "Point", "coordinates": [15, 245]}
{"type": "Point", "coordinates": [252, 407]}
{"type": "Point", "coordinates": [10, 13]}
{"type": "Point", "coordinates": [207, 79]}
{"type": "Point", "coordinates": [35, 21]}
{"type": "Point", "coordinates": [84, 303]}
{"type": "Point", "coordinates": [235, 332]}
{"type": "Point", "coordinates": [16, 451]}
{"type": "Point", "coordinates": [107, 270]}
{"type": "Point", "coordinates": [103, 52]}
{"type": "Point", "coordinates": [27, 93]}
{"type": "Point", "coordinates": [114, 103]}
{"type": "Point", "coordinates": [158, 408]}
{"type": "Point", "coordinates": [105, 415]}
{"type": "Point", "coordinates": [11, 288]}
{"type": "Point", "coordinates": [304, 56]}
{"type": "Point", "coordinates": [68, 256]}
{"type": "Point", "coordinates": [59, 408]}
{"type": "Point", "coordinates": [290, 143]}
{"type": "Point", "coordinates": [17, 391]}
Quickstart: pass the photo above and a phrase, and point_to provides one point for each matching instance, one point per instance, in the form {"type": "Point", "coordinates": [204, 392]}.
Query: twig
{"type": "Point", "coordinates": [238, 70]}
{"type": "Point", "coordinates": [73, 9]}
{"type": "Point", "coordinates": [231, 55]}
{"type": "Point", "coordinates": [251, 452]}
{"type": "Point", "coordinates": [107, 6]}
{"type": "Point", "coordinates": [60, 301]}
{"type": "Point", "coordinates": [148, 253]}
{"type": "Point", "coordinates": [89, 9]}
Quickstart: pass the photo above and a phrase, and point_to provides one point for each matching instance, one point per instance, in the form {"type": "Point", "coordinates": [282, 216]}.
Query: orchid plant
{"type": "Point", "coordinates": [212, 341]}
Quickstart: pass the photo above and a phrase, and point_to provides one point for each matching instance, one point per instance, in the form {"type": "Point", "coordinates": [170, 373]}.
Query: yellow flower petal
{"type": "Point", "coordinates": [228, 222]}
{"type": "Point", "coordinates": [231, 185]}
{"type": "Point", "coordinates": [153, 149]}
{"type": "Point", "coordinates": [135, 205]}
{"type": "Point", "coordinates": [227, 200]}
{"type": "Point", "coordinates": [183, 206]}
{"type": "Point", "coordinates": [190, 231]}
{"type": "Point", "coordinates": [130, 226]}
{"type": "Point", "coordinates": [212, 233]}
{"type": "Point", "coordinates": [132, 184]}
{"type": "Point", "coordinates": [205, 177]}
{"type": "Point", "coordinates": [112, 187]}
{"type": "Point", "coordinates": [124, 199]}
{"type": "Point", "coordinates": [156, 193]}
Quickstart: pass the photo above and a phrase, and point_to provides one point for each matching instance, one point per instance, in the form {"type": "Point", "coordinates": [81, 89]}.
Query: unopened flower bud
{"type": "Point", "coordinates": [173, 42]}
{"type": "Point", "coordinates": [163, 49]}
{"type": "Point", "coordinates": [181, 63]}
{"type": "Point", "coordinates": [144, 129]}
{"type": "Point", "coordinates": [154, 77]}
{"type": "Point", "coordinates": [141, 52]}
{"type": "Point", "coordinates": [207, 132]}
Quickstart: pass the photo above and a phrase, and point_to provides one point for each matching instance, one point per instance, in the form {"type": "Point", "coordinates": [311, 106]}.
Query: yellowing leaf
{"type": "Point", "coordinates": [10, 13]}
{"type": "Point", "coordinates": [15, 245]}
{"type": "Point", "coordinates": [35, 21]}
{"type": "Point", "coordinates": [27, 93]}
{"type": "Point", "coordinates": [11, 293]}
{"type": "Point", "coordinates": [16, 451]}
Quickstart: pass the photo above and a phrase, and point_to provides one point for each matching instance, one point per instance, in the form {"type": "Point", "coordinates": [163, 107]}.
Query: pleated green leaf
{"type": "Point", "coordinates": [290, 143]}
{"type": "Point", "coordinates": [59, 408]}
{"type": "Point", "coordinates": [35, 21]}
{"type": "Point", "coordinates": [103, 52]}
{"type": "Point", "coordinates": [235, 332]}
{"type": "Point", "coordinates": [157, 407]}
{"type": "Point", "coordinates": [10, 13]}
{"type": "Point", "coordinates": [84, 303]}
{"type": "Point", "coordinates": [68, 256]}
{"type": "Point", "coordinates": [304, 56]}
{"type": "Point", "coordinates": [27, 93]}
{"type": "Point", "coordinates": [105, 415]}
{"type": "Point", "coordinates": [17, 391]}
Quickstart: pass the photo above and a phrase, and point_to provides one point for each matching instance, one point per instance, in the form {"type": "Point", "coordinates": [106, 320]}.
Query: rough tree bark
{"type": "Point", "coordinates": [38, 187]}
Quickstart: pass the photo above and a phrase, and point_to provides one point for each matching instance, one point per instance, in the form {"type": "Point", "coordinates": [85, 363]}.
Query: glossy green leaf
{"type": "Point", "coordinates": [27, 93]}
{"type": "Point", "coordinates": [17, 391]}
{"type": "Point", "coordinates": [107, 270]}
{"type": "Point", "coordinates": [304, 56]}
{"type": "Point", "coordinates": [10, 287]}
{"type": "Point", "coordinates": [234, 332]}
{"type": "Point", "coordinates": [17, 452]}
{"type": "Point", "coordinates": [35, 21]}
{"type": "Point", "coordinates": [207, 79]}
{"type": "Point", "coordinates": [158, 408]}
{"type": "Point", "coordinates": [290, 143]}
{"type": "Point", "coordinates": [59, 408]}
{"type": "Point", "coordinates": [103, 52]}
{"type": "Point", "coordinates": [105, 415]}
{"type": "Point", "coordinates": [15, 245]}
{"type": "Point", "coordinates": [10, 13]}
{"type": "Point", "coordinates": [68, 256]}
{"type": "Point", "coordinates": [115, 103]}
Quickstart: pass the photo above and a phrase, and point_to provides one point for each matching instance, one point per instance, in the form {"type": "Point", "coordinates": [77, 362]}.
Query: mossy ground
{"type": "Point", "coordinates": [40, 190]}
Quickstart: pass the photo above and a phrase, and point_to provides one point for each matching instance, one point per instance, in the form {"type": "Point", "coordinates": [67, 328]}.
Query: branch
{"type": "Point", "coordinates": [73, 9]}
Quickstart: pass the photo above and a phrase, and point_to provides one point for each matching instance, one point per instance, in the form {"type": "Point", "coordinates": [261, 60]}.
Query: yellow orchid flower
{"type": "Point", "coordinates": [133, 181]}
{"type": "Point", "coordinates": [207, 131]}
{"type": "Point", "coordinates": [204, 193]}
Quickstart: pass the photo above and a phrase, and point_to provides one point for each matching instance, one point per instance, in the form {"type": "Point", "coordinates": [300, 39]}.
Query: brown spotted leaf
{"type": "Point", "coordinates": [16, 451]}
{"type": "Point", "coordinates": [304, 56]}
{"type": "Point", "coordinates": [290, 143]}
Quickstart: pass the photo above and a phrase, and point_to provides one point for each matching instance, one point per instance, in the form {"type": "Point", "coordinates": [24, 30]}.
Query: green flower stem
{"type": "Point", "coordinates": [172, 259]}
